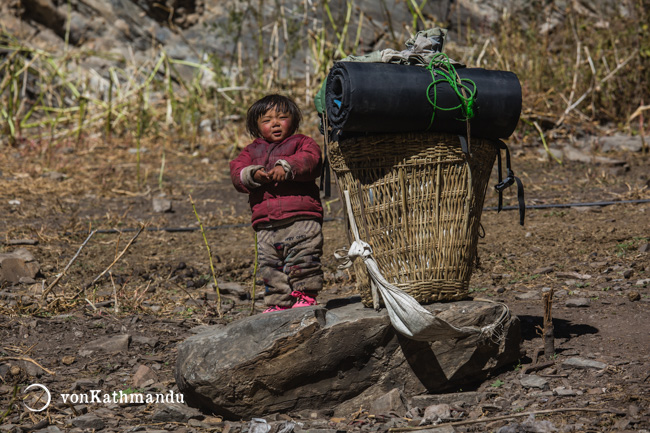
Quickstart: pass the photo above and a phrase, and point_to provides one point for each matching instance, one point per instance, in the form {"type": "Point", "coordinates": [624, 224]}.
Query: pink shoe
{"type": "Point", "coordinates": [304, 300]}
{"type": "Point", "coordinates": [274, 308]}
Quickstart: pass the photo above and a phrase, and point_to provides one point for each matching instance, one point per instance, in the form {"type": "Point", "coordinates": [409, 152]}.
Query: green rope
{"type": "Point", "coordinates": [465, 89]}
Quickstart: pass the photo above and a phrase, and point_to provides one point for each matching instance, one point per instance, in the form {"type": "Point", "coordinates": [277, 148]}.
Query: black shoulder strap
{"type": "Point", "coordinates": [325, 179]}
{"type": "Point", "coordinates": [508, 181]}
{"type": "Point", "coordinates": [325, 175]}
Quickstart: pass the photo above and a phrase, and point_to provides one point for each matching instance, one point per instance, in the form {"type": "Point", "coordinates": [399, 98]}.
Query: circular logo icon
{"type": "Point", "coordinates": [36, 398]}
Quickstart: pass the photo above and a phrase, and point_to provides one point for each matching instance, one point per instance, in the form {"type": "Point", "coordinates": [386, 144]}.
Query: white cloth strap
{"type": "Point", "coordinates": [407, 316]}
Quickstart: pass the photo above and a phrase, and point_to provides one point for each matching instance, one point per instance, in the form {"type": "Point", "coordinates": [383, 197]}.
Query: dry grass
{"type": "Point", "coordinates": [580, 70]}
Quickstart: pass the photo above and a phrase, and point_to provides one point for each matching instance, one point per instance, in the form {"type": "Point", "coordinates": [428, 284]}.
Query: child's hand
{"type": "Point", "coordinates": [277, 174]}
{"type": "Point", "coordinates": [261, 176]}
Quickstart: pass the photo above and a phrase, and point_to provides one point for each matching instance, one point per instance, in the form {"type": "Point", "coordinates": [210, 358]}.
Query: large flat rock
{"type": "Point", "coordinates": [342, 355]}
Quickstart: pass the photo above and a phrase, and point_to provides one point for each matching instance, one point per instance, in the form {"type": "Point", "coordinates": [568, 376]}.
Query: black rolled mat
{"type": "Point", "coordinates": [385, 97]}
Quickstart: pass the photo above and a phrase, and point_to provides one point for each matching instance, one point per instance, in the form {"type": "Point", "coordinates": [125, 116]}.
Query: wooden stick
{"type": "Point", "coordinates": [119, 256]}
{"type": "Point", "coordinates": [547, 332]}
{"type": "Point", "coordinates": [27, 359]}
{"type": "Point", "coordinates": [504, 417]}
{"type": "Point", "coordinates": [58, 277]}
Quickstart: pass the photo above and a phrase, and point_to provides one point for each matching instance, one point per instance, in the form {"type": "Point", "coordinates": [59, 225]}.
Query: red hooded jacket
{"type": "Point", "coordinates": [298, 196]}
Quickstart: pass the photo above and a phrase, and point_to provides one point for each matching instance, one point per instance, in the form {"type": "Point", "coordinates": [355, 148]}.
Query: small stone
{"type": "Point", "coordinates": [527, 296]}
{"type": "Point", "coordinates": [573, 154]}
{"type": "Point", "coordinates": [67, 360]}
{"type": "Point", "coordinates": [533, 381]}
{"type": "Point", "coordinates": [573, 275]}
{"type": "Point", "coordinates": [54, 175]}
{"type": "Point", "coordinates": [86, 384]}
{"type": "Point", "coordinates": [577, 302]}
{"type": "Point", "coordinates": [26, 280]}
{"type": "Point", "coordinates": [32, 369]}
{"type": "Point", "coordinates": [117, 344]}
{"type": "Point", "coordinates": [206, 126]}
{"type": "Point", "coordinates": [18, 264]}
{"type": "Point", "coordinates": [595, 391]}
{"type": "Point", "coordinates": [628, 273]}
{"type": "Point", "coordinates": [634, 296]}
{"type": "Point", "coordinates": [231, 287]}
{"type": "Point", "coordinates": [584, 363]}
{"type": "Point", "coordinates": [644, 248]}
{"type": "Point", "coordinates": [162, 205]}
{"type": "Point", "coordinates": [143, 376]}
{"type": "Point", "coordinates": [389, 402]}
{"type": "Point", "coordinates": [88, 422]}
{"type": "Point", "coordinates": [435, 413]}
{"type": "Point", "coordinates": [644, 282]}
{"type": "Point", "coordinates": [48, 429]}
{"type": "Point", "coordinates": [469, 398]}
{"type": "Point", "coordinates": [543, 270]}
{"type": "Point", "coordinates": [620, 142]}
{"type": "Point", "coordinates": [563, 392]}
{"type": "Point", "coordinates": [176, 412]}
{"type": "Point", "coordinates": [147, 341]}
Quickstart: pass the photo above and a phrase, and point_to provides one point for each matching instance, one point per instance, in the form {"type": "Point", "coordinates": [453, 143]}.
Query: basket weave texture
{"type": "Point", "coordinates": [417, 200]}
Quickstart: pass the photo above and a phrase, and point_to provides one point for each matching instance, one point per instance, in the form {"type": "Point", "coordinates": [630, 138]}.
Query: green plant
{"type": "Point", "coordinates": [623, 247]}
{"type": "Point", "coordinates": [130, 390]}
{"type": "Point", "coordinates": [207, 246]}
{"type": "Point", "coordinates": [497, 383]}
{"type": "Point", "coordinates": [477, 289]}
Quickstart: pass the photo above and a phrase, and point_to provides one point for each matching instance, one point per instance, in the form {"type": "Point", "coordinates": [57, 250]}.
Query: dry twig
{"type": "Point", "coordinates": [27, 359]}
{"type": "Point", "coordinates": [504, 417]}
{"type": "Point", "coordinates": [119, 256]}
{"type": "Point", "coordinates": [547, 331]}
{"type": "Point", "coordinates": [58, 277]}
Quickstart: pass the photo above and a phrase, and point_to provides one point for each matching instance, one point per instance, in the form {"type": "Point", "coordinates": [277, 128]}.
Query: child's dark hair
{"type": "Point", "coordinates": [281, 103]}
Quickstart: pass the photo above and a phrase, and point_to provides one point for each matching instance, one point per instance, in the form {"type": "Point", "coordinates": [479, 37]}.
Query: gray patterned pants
{"type": "Point", "coordinates": [289, 259]}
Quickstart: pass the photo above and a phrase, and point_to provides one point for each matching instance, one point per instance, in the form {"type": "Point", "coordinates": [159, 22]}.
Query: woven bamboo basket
{"type": "Point", "coordinates": [417, 200]}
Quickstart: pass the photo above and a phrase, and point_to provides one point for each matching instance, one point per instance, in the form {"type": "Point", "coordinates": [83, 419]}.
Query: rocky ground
{"type": "Point", "coordinates": [114, 318]}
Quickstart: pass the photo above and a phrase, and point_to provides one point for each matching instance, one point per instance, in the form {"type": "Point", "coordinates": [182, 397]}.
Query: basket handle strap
{"type": "Point", "coordinates": [508, 181]}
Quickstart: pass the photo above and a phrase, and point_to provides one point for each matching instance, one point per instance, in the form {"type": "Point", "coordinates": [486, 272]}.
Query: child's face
{"type": "Point", "coordinates": [275, 126]}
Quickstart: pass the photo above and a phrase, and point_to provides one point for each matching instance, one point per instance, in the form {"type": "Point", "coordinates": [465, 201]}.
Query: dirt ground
{"type": "Point", "coordinates": [595, 258]}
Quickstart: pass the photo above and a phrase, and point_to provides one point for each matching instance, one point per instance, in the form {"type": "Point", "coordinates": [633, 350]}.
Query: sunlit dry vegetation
{"type": "Point", "coordinates": [581, 69]}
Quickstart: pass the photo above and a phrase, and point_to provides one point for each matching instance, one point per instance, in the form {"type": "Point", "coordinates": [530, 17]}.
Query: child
{"type": "Point", "coordinates": [278, 171]}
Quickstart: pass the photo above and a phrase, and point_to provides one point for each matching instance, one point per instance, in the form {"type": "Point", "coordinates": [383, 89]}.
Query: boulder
{"type": "Point", "coordinates": [16, 265]}
{"type": "Point", "coordinates": [342, 355]}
